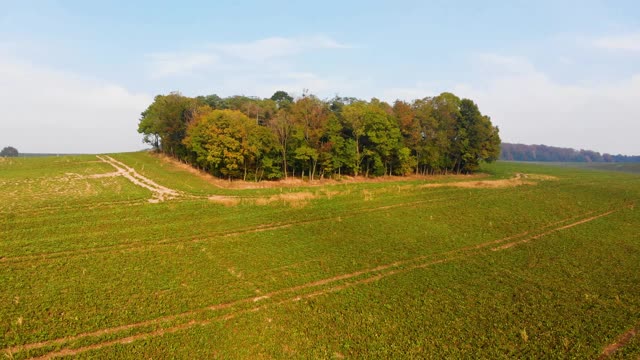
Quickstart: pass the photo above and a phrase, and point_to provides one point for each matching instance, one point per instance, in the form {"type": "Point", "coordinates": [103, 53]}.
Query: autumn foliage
{"type": "Point", "coordinates": [253, 139]}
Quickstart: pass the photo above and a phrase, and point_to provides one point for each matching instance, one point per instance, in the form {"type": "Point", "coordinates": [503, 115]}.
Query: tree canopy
{"type": "Point", "coordinates": [9, 151]}
{"type": "Point", "coordinates": [252, 138]}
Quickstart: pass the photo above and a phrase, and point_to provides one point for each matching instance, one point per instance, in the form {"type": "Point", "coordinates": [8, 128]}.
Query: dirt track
{"type": "Point", "coordinates": [160, 193]}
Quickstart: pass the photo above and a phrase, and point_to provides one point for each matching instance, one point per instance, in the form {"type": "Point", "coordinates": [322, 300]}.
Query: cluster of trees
{"type": "Point", "coordinates": [253, 138]}
{"type": "Point", "coordinates": [521, 152]}
{"type": "Point", "coordinates": [9, 151]}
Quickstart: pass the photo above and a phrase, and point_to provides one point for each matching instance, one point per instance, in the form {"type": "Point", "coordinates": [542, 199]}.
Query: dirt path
{"type": "Point", "coordinates": [622, 340]}
{"type": "Point", "coordinates": [160, 193]}
{"type": "Point", "coordinates": [350, 279]}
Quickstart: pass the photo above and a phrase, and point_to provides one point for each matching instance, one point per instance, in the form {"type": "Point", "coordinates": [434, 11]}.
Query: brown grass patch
{"type": "Point", "coordinates": [297, 199]}
{"type": "Point", "coordinates": [518, 180]}
{"type": "Point", "coordinates": [225, 200]}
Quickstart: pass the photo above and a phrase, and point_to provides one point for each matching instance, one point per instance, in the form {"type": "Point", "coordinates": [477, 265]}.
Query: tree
{"type": "Point", "coordinates": [214, 101]}
{"type": "Point", "coordinates": [354, 115]}
{"type": "Point", "coordinates": [412, 133]}
{"type": "Point", "coordinates": [164, 122]}
{"type": "Point", "coordinates": [227, 143]}
{"type": "Point", "coordinates": [448, 140]}
{"type": "Point", "coordinates": [382, 137]}
{"type": "Point", "coordinates": [254, 138]}
{"type": "Point", "coordinates": [282, 127]}
{"type": "Point", "coordinates": [9, 151]}
{"type": "Point", "coordinates": [310, 116]}
{"type": "Point", "coordinates": [479, 140]}
{"type": "Point", "coordinates": [282, 98]}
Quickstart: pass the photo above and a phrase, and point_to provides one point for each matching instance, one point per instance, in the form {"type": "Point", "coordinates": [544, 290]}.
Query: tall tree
{"type": "Point", "coordinates": [282, 127]}
{"type": "Point", "coordinates": [310, 116]}
{"type": "Point", "coordinates": [355, 115]}
{"type": "Point", "coordinates": [282, 98]}
{"type": "Point", "coordinates": [226, 142]}
{"type": "Point", "coordinates": [9, 151]}
{"type": "Point", "coordinates": [382, 137]}
{"type": "Point", "coordinates": [164, 122]}
{"type": "Point", "coordinates": [478, 138]}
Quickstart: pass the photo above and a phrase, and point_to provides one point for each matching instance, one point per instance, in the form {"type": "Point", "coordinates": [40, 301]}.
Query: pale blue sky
{"type": "Point", "coordinates": [74, 75]}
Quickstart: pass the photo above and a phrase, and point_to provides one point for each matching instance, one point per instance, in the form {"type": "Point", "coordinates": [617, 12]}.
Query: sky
{"type": "Point", "coordinates": [75, 75]}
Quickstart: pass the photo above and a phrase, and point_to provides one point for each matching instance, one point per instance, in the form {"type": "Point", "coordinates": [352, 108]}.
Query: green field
{"type": "Point", "coordinates": [624, 167]}
{"type": "Point", "coordinates": [530, 261]}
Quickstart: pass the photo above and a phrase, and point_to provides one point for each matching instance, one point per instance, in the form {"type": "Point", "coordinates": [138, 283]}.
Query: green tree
{"type": "Point", "coordinates": [448, 140]}
{"type": "Point", "coordinates": [383, 137]}
{"type": "Point", "coordinates": [227, 143]}
{"type": "Point", "coordinates": [164, 122]}
{"type": "Point", "coordinates": [355, 115]}
{"type": "Point", "coordinates": [478, 138]}
{"type": "Point", "coordinates": [311, 117]}
{"type": "Point", "coordinates": [282, 98]}
{"type": "Point", "coordinates": [412, 132]}
{"type": "Point", "coordinates": [214, 101]}
{"type": "Point", "coordinates": [9, 151]}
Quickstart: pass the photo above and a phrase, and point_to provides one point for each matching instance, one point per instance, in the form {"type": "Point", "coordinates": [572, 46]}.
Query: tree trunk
{"type": "Point", "coordinates": [357, 167]}
{"type": "Point", "coordinates": [313, 171]}
{"type": "Point", "coordinates": [284, 158]}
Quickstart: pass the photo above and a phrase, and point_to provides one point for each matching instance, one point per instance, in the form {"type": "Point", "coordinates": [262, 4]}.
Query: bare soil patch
{"type": "Point", "coordinates": [620, 342]}
{"type": "Point", "coordinates": [160, 193]}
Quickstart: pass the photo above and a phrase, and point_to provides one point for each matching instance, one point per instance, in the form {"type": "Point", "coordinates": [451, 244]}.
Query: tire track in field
{"type": "Point", "coordinates": [620, 342]}
{"type": "Point", "coordinates": [192, 323]}
{"type": "Point", "coordinates": [196, 238]}
{"type": "Point", "coordinates": [65, 207]}
{"type": "Point", "coordinates": [509, 245]}
{"type": "Point", "coordinates": [132, 246]}
{"type": "Point", "coordinates": [372, 274]}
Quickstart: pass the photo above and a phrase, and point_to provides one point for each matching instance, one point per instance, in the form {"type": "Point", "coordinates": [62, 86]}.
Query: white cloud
{"type": "Point", "coordinates": [168, 64]}
{"type": "Point", "coordinates": [530, 107]}
{"type": "Point", "coordinates": [275, 47]}
{"type": "Point", "coordinates": [44, 110]}
{"type": "Point", "coordinates": [234, 56]}
{"type": "Point", "coordinates": [419, 91]}
{"type": "Point", "coordinates": [257, 67]}
{"type": "Point", "coordinates": [625, 42]}
{"type": "Point", "coordinates": [511, 64]}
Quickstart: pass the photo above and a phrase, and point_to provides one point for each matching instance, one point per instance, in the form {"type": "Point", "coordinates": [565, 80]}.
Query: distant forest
{"type": "Point", "coordinates": [521, 152]}
{"type": "Point", "coordinates": [251, 138]}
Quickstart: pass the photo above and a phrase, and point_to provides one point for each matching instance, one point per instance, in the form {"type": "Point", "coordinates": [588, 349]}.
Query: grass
{"type": "Point", "coordinates": [633, 168]}
{"type": "Point", "coordinates": [375, 270]}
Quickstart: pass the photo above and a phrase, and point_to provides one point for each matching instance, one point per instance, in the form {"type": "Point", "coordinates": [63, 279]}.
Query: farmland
{"type": "Point", "coordinates": [134, 256]}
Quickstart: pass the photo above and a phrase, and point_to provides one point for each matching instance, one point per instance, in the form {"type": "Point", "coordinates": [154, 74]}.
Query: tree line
{"type": "Point", "coordinates": [521, 152]}
{"type": "Point", "coordinates": [250, 138]}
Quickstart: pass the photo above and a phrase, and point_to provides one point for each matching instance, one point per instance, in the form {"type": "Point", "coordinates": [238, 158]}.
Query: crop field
{"type": "Point", "coordinates": [134, 256]}
{"type": "Point", "coordinates": [624, 167]}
